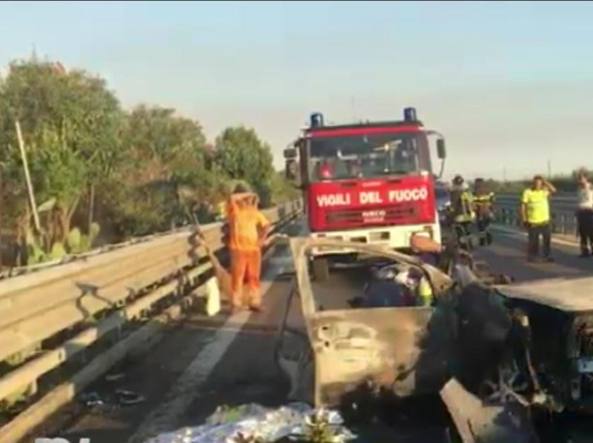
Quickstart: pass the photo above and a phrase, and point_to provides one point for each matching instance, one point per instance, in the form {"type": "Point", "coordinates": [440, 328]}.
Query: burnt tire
{"type": "Point", "coordinates": [321, 269]}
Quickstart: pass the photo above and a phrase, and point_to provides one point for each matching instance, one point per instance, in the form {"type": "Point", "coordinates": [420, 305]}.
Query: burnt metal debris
{"type": "Point", "coordinates": [495, 351]}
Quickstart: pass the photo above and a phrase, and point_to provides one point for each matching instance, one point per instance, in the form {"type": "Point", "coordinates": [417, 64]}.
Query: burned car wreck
{"type": "Point", "coordinates": [495, 353]}
{"type": "Point", "coordinates": [524, 353]}
{"type": "Point", "coordinates": [349, 335]}
{"type": "Point", "coordinates": [554, 325]}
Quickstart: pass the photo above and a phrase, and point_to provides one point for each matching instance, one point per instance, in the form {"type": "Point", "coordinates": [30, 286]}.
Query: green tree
{"type": "Point", "coordinates": [282, 189]}
{"type": "Point", "coordinates": [243, 156]}
{"type": "Point", "coordinates": [164, 175]}
{"type": "Point", "coordinates": [148, 168]}
{"type": "Point", "coordinates": [70, 123]}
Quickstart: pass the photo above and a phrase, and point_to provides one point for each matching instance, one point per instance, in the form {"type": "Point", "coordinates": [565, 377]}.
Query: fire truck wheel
{"type": "Point", "coordinates": [321, 269]}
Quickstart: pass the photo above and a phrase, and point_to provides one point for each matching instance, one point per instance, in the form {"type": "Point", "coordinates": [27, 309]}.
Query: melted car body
{"type": "Point", "coordinates": [401, 350]}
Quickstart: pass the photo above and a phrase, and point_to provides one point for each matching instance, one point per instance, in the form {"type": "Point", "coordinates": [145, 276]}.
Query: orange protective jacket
{"type": "Point", "coordinates": [245, 221]}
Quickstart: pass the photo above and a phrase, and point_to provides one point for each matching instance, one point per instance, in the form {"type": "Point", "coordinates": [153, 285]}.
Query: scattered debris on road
{"type": "Point", "coordinates": [115, 376]}
{"type": "Point", "coordinates": [117, 399]}
{"type": "Point", "coordinates": [128, 398]}
{"type": "Point", "coordinates": [91, 399]}
{"type": "Point", "coordinates": [296, 422]}
{"type": "Point", "coordinates": [479, 422]}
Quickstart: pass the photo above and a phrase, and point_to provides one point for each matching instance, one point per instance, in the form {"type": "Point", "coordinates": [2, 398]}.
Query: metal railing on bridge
{"type": "Point", "coordinates": [53, 315]}
{"type": "Point", "coordinates": [507, 209]}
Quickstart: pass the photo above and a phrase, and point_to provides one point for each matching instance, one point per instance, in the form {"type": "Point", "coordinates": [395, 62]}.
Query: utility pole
{"type": "Point", "coordinates": [27, 176]}
{"type": "Point", "coordinates": [91, 207]}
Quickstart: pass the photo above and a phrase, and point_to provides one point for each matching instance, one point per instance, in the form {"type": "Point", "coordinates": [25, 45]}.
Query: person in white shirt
{"type": "Point", "coordinates": [585, 214]}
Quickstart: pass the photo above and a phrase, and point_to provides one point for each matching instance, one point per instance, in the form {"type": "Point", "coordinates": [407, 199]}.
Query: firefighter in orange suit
{"type": "Point", "coordinates": [248, 229]}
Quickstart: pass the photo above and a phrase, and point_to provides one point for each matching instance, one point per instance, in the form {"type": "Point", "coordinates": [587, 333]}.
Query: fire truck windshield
{"type": "Point", "coordinates": [367, 156]}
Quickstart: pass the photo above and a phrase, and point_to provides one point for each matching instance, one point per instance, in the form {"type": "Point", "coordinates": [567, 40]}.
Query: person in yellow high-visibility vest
{"type": "Point", "coordinates": [535, 214]}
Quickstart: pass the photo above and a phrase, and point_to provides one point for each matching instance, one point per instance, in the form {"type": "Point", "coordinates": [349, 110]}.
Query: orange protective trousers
{"type": "Point", "coordinates": [245, 269]}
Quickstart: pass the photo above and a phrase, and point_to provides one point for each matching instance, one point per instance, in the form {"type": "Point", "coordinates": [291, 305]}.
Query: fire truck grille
{"type": "Point", "coordinates": [402, 213]}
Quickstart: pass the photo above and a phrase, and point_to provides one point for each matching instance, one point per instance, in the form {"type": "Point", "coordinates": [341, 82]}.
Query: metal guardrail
{"type": "Point", "coordinates": [563, 206]}
{"type": "Point", "coordinates": [123, 283]}
{"type": "Point", "coordinates": [11, 272]}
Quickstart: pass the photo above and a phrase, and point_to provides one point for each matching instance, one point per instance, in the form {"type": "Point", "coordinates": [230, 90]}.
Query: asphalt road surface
{"type": "Point", "coordinates": [203, 362]}
{"type": "Point", "coordinates": [508, 255]}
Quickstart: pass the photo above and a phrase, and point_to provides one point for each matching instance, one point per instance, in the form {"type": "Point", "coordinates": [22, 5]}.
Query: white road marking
{"type": "Point", "coordinates": [186, 387]}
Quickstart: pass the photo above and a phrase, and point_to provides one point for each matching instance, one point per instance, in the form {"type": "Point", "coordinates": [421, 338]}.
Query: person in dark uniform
{"type": "Point", "coordinates": [585, 213]}
{"type": "Point", "coordinates": [483, 206]}
{"type": "Point", "coordinates": [462, 211]}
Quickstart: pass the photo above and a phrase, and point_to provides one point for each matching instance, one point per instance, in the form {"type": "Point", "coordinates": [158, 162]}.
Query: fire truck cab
{"type": "Point", "coordinates": [369, 182]}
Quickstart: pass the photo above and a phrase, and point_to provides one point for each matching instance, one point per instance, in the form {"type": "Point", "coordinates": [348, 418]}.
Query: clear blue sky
{"type": "Point", "coordinates": [509, 84]}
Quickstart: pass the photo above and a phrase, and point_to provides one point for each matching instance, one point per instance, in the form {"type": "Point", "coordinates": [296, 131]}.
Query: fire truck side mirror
{"type": "Point", "coordinates": [290, 153]}
{"type": "Point", "coordinates": [441, 148]}
{"type": "Point", "coordinates": [291, 170]}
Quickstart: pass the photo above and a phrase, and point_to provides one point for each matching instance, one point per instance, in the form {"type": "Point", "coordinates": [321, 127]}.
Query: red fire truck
{"type": "Point", "coordinates": [371, 182]}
